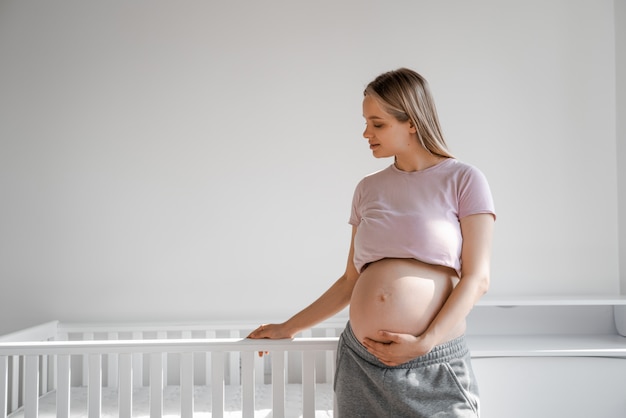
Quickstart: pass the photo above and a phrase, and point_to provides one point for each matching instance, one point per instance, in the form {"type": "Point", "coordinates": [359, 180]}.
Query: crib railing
{"type": "Point", "coordinates": [29, 369]}
{"type": "Point", "coordinates": [160, 331]}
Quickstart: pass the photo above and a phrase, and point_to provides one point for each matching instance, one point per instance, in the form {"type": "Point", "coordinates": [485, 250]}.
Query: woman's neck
{"type": "Point", "coordinates": [417, 162]}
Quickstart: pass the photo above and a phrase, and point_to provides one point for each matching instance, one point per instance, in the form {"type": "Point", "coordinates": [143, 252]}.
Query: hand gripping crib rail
{"type": "Point", "coordinates": [54, 362]}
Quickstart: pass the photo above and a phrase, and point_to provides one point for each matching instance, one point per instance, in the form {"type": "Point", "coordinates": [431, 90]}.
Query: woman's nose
{"type": "Point", "coordinates": [366, 133]}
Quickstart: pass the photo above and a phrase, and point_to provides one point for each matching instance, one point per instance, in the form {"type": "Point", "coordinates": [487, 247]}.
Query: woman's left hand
{"type": "Point", "coordinates": [398, 348]}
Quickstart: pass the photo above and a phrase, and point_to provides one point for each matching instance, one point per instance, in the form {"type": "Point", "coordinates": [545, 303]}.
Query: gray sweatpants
{"type": "Point", "coordinates": [438, 384]}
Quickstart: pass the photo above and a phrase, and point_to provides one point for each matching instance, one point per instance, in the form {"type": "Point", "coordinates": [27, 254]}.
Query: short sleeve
{"type": "Point", "coordinates": [475, 194]}
{"type": "Point", "coordinates": [355, 212]}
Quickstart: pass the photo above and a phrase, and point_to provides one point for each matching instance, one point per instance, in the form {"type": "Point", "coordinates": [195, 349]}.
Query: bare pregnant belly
{"type": "Point", "coordinates": [399, 295]}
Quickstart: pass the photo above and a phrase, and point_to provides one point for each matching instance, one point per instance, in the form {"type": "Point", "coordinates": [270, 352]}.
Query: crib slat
{"type": "Point", "coordinates": [63, 386]}
{"type": "Point", "coordinates": [162, 335]}
{"type": "Point", "coordinates": [54, 371]}
{"type": "Point", "coordinates": [247, 384]}
{"type": "Point", "coordinates": [186, 385]}
{"type": "Point", "coordinates": [125, 385]}
{"type": "Point", "coordinates": [233, 372]}
{"type": "Point", "coordinates": [112, 366]}
{"type": "Point", "coordinates": [61, 336]}
{"type": "Point", "coordinates": [43, 381]}
{"type": "Point", "coordinates": [330, 358]}
{"type": "Point", "coordinates": [137, 363]}
{"type": "Point", "coordinates": [259, 370]}
{"type": "Point", "coordinates": [94, 388]}
{"type": "Point", "coordinates": [278, 384]}
{"type": "Point", "coordinates": [186, 379]}
{"type": "Point", "coordinates": [4, 385]}
{"type": "Point", "coordinates": [308, 384]}
{"type": "Point", "coordinates": [31, 386]}
{"type": "Point", "coordinates": [156, 385]}
{"type": "Point", "coordinates": [207, 373]}
{"type": "Point", "coordinates": [217, 384]}
{"type": "Point", "coordinates": [15, 382]}
{"type": "Point", "coordinates": [87, 336]}
{"type": "Point", "coordinates": [295, 361]}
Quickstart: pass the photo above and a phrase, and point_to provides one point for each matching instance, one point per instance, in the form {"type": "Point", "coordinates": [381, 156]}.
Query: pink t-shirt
{"type": "Point", "coordinates": [401, 214]}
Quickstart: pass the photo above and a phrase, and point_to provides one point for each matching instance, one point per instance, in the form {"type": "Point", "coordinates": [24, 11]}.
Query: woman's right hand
{"type": "Point", "coordinates": [271, 331]}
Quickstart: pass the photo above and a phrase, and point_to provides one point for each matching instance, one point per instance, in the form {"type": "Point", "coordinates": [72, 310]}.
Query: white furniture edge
{"type": "Point", "coordinates": [599, 345]}
{"type": "Point", "coordinates": [552, 300]}
{"type": "Point", "coordinates": [618, 302]}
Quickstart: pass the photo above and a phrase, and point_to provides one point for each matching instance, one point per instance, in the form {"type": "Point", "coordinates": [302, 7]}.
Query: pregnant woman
{"type": "Point", "coordinates": [418, 262]}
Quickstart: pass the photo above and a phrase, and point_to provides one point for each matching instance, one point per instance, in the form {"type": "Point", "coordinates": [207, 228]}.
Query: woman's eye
{"type": "Point", "coordinates": [378, 126]}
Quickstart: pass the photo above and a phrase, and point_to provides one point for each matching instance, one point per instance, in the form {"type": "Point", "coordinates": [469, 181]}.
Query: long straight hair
{"type": "Point", "coordinates": [405, 95]}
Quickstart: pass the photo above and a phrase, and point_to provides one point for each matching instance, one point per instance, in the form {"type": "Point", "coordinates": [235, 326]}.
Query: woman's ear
{"type": "Point", "coordinates": [412, 128]}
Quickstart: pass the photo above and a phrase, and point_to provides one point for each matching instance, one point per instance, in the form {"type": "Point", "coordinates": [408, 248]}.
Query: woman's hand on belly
{"type": "Point", "coordinates": [399, 349]}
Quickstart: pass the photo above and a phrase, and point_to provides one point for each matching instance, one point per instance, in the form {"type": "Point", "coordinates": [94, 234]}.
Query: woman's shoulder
{"type": "Point", "coordinates": [458, 165]}
{"type": "Point", "coordinates": [377, 175]}
{"type": "Point", "coordinates": [374, 180]}
{"type": "Point", "coordinates": [461, 169]}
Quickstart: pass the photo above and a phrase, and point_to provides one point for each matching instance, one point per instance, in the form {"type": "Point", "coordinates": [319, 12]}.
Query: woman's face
{"type": "Point", "coordinates": [386, 135]}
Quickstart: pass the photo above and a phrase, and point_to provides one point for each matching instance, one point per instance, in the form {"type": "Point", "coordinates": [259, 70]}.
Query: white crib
{"type": "Point", "coordinates": [207, 370]}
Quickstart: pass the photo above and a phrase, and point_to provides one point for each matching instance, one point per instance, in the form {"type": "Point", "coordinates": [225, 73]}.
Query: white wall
{"type": "Point", "coordinates": [620, 55]}
{"type": "Point", "coordinates": [189, 160]}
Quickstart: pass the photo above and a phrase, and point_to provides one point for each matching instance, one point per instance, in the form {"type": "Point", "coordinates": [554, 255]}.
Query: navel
{"type": "Point", "coordinates": [383, 296]}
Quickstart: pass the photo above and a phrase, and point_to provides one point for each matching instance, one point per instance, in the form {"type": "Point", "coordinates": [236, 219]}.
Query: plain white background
{"type": "Point", "coordinates": [196, 160]}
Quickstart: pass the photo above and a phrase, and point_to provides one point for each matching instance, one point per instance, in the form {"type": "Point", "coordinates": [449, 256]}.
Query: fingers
{"type": "Point", "coordinates": [259, 332]}
{"type": "Point", "coordinates": [374, 347]}
{"type": "Point", "coordinates": [376, 344]}
{"type": "Point", "coordinates": [382, 352]}
{"type": "Point", "coordinates": [388, 337]}
{"type": "Point", "coordinates": [393, 348]}
{"type": "Point", "coordinates": [269, 331]}
{"type": "Point", "coordinates": [384, 349]}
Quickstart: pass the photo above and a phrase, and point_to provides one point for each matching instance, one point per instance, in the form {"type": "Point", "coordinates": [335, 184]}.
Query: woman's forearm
{"type": "Point", "coordinates": [459, 304]}
{"type": "Point", "coordinates": [336, 298]}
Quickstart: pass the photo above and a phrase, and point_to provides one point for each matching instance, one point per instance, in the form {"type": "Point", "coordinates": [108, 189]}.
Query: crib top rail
{"type": "Point", "coordinates": [57, 330]}
{"type": "Point", "coordinates": [165, 346]}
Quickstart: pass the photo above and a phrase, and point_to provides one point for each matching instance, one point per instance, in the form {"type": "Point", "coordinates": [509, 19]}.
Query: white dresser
{"type": "Point", "coordinates": [550, 356]}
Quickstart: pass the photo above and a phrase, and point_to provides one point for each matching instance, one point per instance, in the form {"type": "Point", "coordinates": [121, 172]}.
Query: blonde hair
{"type": "Point", "coordinates": [405, 95]}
